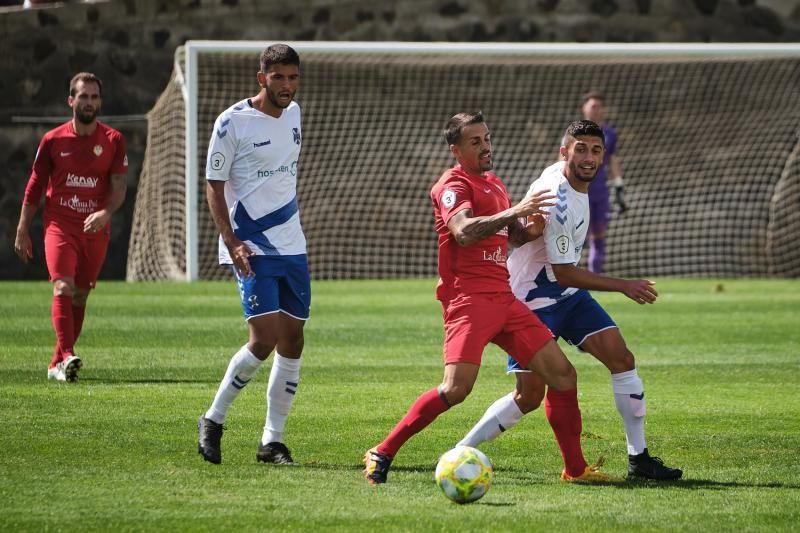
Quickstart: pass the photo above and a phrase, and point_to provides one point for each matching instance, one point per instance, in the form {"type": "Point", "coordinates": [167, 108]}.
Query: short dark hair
{"type": "Point", "coordinates": [580, 128]}
{"type": "Point", "coordinates": [452, 130]}
{"type": "Point", "coordinates": [592, 95]}
{"type": "Point", "coordinates": [85, 77]}
{"type": "Point", "coordinates": [278, 54]}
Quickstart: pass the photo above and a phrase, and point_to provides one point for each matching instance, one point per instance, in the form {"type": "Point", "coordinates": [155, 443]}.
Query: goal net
{"type": "Point", "coordinates": [708, 140]}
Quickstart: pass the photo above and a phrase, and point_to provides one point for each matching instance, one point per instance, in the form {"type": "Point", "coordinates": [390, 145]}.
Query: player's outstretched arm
{"type": "Point", "coordinates": [641, 291]}
{"type": "Point", "coordinates": [468, 229]}
{"type": "Point", "coordinates": [239, 251]}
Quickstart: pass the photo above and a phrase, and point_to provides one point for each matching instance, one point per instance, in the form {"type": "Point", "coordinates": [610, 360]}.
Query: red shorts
{"type": "Point", "coordinates": [74, 255]}
{"type": "Point", "coordinates": [473, 321]}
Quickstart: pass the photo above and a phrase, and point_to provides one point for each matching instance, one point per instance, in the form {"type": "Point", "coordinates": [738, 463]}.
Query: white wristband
{"type": "Point", "coordinates": [616, 181]}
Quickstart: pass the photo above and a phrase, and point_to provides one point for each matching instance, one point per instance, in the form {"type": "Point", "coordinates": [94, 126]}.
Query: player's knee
{"type": "Point", "coordinates": [528, 399]}
{"type": "Point", "coordinates": [260, 348]}
{"type": "Point", "coordinates": [79, 297]}
{"type": "Point", "coordinates": [455, 393]}
{"type": "Point", "coordinates": [63, 288]}
{"type": "Point", "coordinates": [565, 379]}
{"type": "Point", "coordinates": [622, 362]}
{"type": "Point", "coordinates": [292, 345]}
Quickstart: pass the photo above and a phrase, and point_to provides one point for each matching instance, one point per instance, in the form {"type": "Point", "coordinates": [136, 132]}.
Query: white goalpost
{"type": "Point", "coordinates": [707, 134]}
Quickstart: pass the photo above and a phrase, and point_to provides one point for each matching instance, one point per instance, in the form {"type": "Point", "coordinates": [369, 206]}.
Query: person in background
{"type": "Point", "coordinates": [609, 173]}
{"type": "Point", "coordinates": [82, 164]}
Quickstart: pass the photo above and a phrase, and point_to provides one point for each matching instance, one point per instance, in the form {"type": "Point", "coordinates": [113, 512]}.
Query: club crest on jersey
{"type": "Point", "coordinates": [296, 135]}
{"type": "Point", "coordinates": [562, 244]}
{"type": "Point", "coordinates": [448, 198]}
{"type": "Point", "coordinates": [98, 150]}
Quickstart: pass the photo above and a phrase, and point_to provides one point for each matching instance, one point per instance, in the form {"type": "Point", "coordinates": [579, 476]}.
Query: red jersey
{"type": "Point", "coordinates": [480, 267]}
{"type": "Point", "coordinates": [77, 171]}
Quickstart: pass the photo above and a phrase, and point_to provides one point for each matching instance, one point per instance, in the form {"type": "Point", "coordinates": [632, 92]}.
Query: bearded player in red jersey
{"type": "Point", "coordinates": [475, 222]}
{"type": "Point", "coordinates": [83, 165]}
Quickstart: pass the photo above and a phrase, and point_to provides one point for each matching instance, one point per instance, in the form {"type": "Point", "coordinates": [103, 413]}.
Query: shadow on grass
{"type": "Point", "coordinates": [100, 378]}
{"type": "Point", "coordinates": [693, 484]}
{"type": "Point", "coordinates": [520, 477]}
{"type": "Point", "coordinates": [143, 380]}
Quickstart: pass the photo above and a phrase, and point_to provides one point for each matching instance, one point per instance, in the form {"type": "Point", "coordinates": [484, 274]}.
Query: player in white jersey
{"type": "Point", "coordinates": [544, 274]}
{"type": "Point", "coordinates": [251, 189]}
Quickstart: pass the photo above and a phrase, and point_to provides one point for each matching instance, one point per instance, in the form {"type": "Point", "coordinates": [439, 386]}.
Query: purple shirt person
{"type": "Point", "coordinates": [609, 174]}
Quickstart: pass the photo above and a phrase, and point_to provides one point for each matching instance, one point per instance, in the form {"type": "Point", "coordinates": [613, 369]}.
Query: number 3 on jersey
{"type": "Point", "coordinates": [217, 161]}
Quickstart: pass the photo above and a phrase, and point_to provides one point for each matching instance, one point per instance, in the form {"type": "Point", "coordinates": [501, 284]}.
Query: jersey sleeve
{"type": "Point", "coordinates": [221, 149]}
{"type": "Point", "coordinates": [455, 195]}
{"type": "Point", "coordinates": [559, 233]}
{"type": "Point", "coordinates": [120, 163]}
{"type": "Point", "coordinates": [42, 166]}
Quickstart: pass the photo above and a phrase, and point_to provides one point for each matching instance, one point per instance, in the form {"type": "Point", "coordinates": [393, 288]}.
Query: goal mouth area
{"type": "Point", "coordinates": [373, 114]}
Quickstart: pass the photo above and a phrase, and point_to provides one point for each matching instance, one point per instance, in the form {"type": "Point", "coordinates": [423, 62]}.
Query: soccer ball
{"type": "Point", "coordinates": [464, 474]}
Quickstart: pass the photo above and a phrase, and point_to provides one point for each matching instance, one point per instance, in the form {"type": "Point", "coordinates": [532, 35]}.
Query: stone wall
{"type": "Point", "coordinates": [130, 45]}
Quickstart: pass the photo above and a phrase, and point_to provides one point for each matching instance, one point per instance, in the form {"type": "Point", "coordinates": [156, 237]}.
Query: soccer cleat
{"type": "Point", "coordinates": [56, 372]}
{"type": "Point", "coordinates": [376, 466]}
{"type": "Point", "coordinates": [646, 466]}
{"type": "Point", "coordinates": [274, 452]}
{"type": "Point", "coordinates": [592, 474]}
{"type": "Point", "coordinates": [209, 440]}
{"type": "Point", "coordinates": [72, 364]}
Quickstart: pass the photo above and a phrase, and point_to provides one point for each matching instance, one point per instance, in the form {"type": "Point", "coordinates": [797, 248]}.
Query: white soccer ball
{"type": "Point", "coordinates": [464, 474]}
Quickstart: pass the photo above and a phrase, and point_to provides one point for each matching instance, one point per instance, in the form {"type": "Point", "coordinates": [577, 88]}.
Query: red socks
{"type": "Point", "coordinates": [77, 324]}
{"type": "Point", "coordinates": [78, 313]}
{"type": "Point", "coordinates": [57, 357]}
{"type": "Point", "coordinates": [63, 322]}
{"type": "Point", "coordinates": [424, 411]}
{"type": "Point", "coordinates": [564, 415]}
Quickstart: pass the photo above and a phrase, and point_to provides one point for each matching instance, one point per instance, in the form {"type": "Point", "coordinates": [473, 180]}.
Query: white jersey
{"type": "Point", "coordinates": [531, 274]}
{"type": "Point", "coordinates": [256, 155]}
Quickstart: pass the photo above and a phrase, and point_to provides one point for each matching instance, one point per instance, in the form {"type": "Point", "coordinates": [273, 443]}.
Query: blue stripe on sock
{"type": "Point", "coordinates": [638, 396]}
{"type": "Point", "coordinates": [290, 391]}
{"type": "Point", "coordinates": [239, 383]}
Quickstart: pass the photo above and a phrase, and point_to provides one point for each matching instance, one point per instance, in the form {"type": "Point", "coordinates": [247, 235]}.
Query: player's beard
{"type": "Point", "coordinates": [273, 98]}
{"type": "Point", "coordinates": [485, 165]}
{"type": "Point", "coordinates": [86, 117]}
{"type": "Point", "coordinates": [576, 171]}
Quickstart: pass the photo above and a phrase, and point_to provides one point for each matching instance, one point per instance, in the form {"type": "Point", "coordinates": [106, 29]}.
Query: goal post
{"type": "Point", "coordinates": [707, 131]}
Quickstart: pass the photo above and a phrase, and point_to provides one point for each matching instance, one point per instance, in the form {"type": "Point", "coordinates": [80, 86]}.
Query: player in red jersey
{"type": "Point", "coordinates": [475, 221]}
{"type": "Point", "coordinates": [82, 164]}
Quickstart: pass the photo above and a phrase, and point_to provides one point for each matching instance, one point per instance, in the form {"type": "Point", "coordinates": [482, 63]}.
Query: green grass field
{"type": "Point", "coordinates": [117, 450]}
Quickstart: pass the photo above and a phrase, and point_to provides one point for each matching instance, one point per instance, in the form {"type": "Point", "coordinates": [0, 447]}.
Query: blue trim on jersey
{"type": "Point", "coordinates": [249, 229]}
{"type": "Point", "coordinates": [545, 288]}
{"type": "Point", "coordinates": [260, 240]}
{"type": "Point", "coordinates": [247, 225]}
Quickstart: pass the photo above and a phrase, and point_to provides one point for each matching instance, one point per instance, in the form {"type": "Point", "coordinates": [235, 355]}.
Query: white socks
{"type": "Point", "coordinates": [241, 369]}
{"type": "Point", "coordinates": [629, 397]}
{"type": "Point", "coordinates": [500, 416]}
{"type": "Point", "coordinates": [283, 381]}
